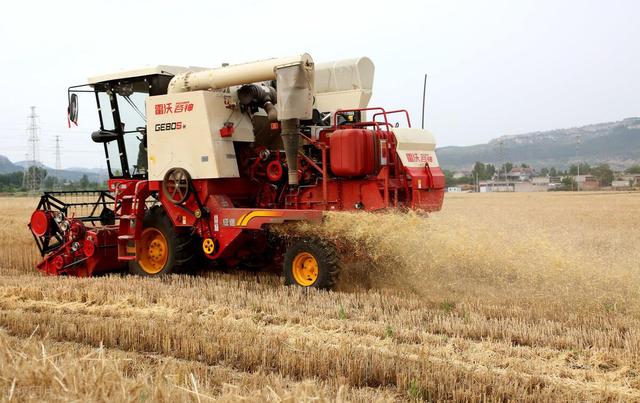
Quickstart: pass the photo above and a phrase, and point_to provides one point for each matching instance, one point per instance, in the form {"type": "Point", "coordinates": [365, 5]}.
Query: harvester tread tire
{"type": "Point", "coordinates": [326, 256]}
{"type": "Point", "coordinates": [180, 245]}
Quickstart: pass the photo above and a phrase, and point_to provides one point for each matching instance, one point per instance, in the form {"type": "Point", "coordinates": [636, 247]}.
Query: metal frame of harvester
{"type": "Point", "coordinates": [223, 155]}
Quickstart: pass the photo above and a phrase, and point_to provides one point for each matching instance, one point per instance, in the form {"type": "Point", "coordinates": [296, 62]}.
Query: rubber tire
{"type": "Point", "coordinates": [180, 245]}
{"type": "Point", "coordinates": [326, 256]}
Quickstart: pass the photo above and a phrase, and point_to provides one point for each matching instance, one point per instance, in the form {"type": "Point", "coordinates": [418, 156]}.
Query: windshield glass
{"type": "Point", "coordinates": [136, 152]}
{"type": "Point", "coordinates": [113, 158]}
{"type": "Point", "coordinates": [131, 108]}
{"type": "Point", "coordinates": [105, 111]}
{"type": "Point", "coordinates": [132, 115]}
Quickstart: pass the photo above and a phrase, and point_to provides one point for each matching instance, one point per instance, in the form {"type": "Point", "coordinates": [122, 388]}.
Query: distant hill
{"type": "Point", "coordinates": [614, 143]}
{"type": "Point", "coordinates": [72, 174]}
{"type": "Point", "coordinates": [6, 166]}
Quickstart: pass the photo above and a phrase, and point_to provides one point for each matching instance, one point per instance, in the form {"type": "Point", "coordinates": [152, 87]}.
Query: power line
{"type": "Point", "coordinates": [32, 179]}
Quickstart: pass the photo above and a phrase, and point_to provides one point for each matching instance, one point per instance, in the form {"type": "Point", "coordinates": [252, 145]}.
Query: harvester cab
{"type": "Point", "coordinates": [204, 162]}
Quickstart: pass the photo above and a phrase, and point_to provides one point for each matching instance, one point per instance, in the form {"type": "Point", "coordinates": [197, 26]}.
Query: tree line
{"type": "Point", "coordinates": [602, 172]}
{"type": "Point", "coordinates": [14, 182]}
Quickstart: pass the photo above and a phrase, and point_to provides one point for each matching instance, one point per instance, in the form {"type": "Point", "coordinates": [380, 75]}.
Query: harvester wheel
{"type": "Point", "coordinates": [311, 263]}
{"type": "Point", "coordinates": [161, 249]}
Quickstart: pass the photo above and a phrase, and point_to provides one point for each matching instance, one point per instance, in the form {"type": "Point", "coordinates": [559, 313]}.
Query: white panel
{"type": "Point", "coordinates": [343, 84]}
{"type": "Point", "coordinates": [184, 131]}
{"type": "Point", "coordinates": [332, 101]}
{"type": "Point", "coordinates": [416, 147]}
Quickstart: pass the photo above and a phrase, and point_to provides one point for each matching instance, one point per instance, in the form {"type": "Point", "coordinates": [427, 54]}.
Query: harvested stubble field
{"type": "Point", "coordinates": [522, 297]}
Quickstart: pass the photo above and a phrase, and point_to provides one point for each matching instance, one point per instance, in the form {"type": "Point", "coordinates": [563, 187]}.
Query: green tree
{"type": "Point", "coordinates": [604, 174]}
{"type": "Point", "coordinates": [553, 172]}
{"type": "Point", "coordinates": [448, 178]}
{"type": "Point", "coordinates": [573, 169]}
{"type": "Point", "coordinates": [507, 167]}
{"type": "Point", "coordinates": [523, 165]}
{"type": "Point", "coordinates": [478, 170]}
{"type": "Point", "coordinates": [490, 171]}
{"type": "Point", "coordinates": [11, 182]}
{"type": "Point", "coordinates": [634, 169]}
{"type": "Point", "coordinates": [544, 171]}
{"type": "Point", "coordinates": [585, 169]}
{"type": "Point", "coordinates": [568, 183]}
{"type": "Point", "coordinates": [50, 182]}
{"type": "Point", "coordinates": [482, 171]}
{"type": "Point", "coordinates": [84, 182]}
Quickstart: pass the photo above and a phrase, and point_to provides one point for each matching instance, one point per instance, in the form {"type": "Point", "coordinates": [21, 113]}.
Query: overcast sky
{"type": "Point", "coordinates": [495, 67]}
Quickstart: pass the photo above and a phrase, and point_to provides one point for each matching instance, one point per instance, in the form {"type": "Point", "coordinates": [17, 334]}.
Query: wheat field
{"type": "Point", "coordinates": [499, 297]}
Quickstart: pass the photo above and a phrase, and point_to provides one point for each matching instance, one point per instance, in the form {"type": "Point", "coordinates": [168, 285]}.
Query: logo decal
{"type": "Point", "coordinates": [169, 107]}
{"type": "Point", "coordinates": [163, 127]}
{"type": "Point", "coordinates": [422, 157]}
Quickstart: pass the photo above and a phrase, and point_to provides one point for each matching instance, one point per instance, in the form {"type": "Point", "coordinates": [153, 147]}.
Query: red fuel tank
{"type": "Point", "coordinates": [354, 152]}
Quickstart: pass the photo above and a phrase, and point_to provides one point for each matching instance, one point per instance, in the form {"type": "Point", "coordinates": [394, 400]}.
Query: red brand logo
{"type": "Point", "coordinates": [169, 107]}
{"type": "Point", "coordinates": [422, 157]}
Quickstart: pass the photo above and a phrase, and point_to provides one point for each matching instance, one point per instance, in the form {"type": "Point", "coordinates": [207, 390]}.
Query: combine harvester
{"type": "Point", "coordinates": [202, 162]}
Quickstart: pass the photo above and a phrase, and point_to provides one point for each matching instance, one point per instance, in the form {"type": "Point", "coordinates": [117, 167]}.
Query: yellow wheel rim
{"type": "Point", "coordinates": [305, 269]}
{"type": "Point", "coordinates": [152, 251]}
{"type": "Point", "coordinates": [208, 246]}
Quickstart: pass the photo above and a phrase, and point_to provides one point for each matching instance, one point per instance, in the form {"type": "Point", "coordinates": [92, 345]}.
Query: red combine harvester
{"type": "Point", "coordinates": [203, 162]}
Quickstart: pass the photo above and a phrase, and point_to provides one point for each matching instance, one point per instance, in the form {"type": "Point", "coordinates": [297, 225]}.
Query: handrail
{"type": "Point", "coordinates": [391, 113]}
{"type": "Point", "coordinates": [364, 124]}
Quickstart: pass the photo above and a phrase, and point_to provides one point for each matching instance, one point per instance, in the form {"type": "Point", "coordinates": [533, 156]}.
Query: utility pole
{"type": "Point", "coordinates": [503, 165]}
{"type": "Point", "coordinates": [32, 179]}
{"type": "Point", "coordinates": [58, 163]}
{"type": "Point", "coordinates": [424, 99]}
{"type": "Point", "coordinates": [577, 159]}
{"type": "Point", "coordinates": [58, 159]}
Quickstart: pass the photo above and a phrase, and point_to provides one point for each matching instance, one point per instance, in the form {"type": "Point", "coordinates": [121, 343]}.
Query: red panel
{"type": "Point", "coordinates": [428, 200]}
{"type": "Point", "coordinates": [437, 178]}
{"type": "Point", "coordinates": [426, 178]}
{"type": "Point", "coordinates": [427, 187]}
{"type": "Point", "coordinates": [353, 152]}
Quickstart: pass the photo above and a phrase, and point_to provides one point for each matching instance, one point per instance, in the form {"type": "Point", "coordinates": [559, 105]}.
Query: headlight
{"type": "Point", "coordinates": [64, 226]}
{"type": "Point", "coordinates": [58, 217]}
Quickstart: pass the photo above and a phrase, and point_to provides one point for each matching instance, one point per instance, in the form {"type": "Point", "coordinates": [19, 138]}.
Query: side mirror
{"type": "Point", "coordinates": [72, 109]}
{"type": "Point", "coordinates": [103, 136]}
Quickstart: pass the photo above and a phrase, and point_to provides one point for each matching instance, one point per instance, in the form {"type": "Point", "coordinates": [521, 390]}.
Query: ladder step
{"type": "Point", "coordinates": [128, 257]}
{"type": "Point", "coordinates": [128, 197]}
{"type": "Point", "coordinates": [126, 237]}
{"type": "Point", "coordinates": [127, 217]}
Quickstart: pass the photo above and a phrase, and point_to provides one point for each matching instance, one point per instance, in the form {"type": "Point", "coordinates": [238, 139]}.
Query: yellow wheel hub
{"type": "Point", "coordinates": [208, 246]}
{"type": "Point", "coordinates": [305, 269]}
{"type": "Point", "coordinates": [152, 251]}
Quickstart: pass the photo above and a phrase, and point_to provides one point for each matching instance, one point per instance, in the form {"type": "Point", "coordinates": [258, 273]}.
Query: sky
{"type": "Point", "coordinates": [494, 67]}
